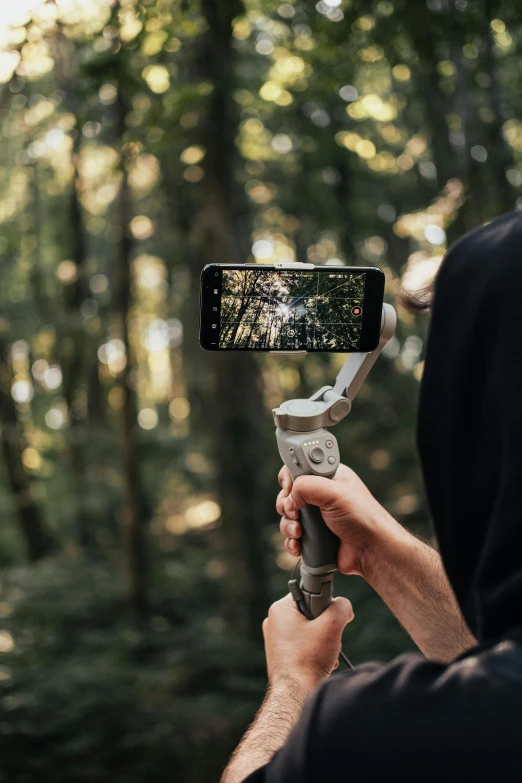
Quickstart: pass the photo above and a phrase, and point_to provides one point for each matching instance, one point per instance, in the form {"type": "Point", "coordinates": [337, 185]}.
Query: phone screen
{"type": "Point", "coordinates": [267, 309]}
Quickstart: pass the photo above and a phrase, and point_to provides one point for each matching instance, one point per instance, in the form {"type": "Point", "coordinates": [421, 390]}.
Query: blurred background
{"type": "Point", "coordinates": [139, 545]}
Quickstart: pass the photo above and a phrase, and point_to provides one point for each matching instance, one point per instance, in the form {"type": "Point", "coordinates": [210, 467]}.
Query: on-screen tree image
{"type": "Point", "coordinates": [291, 310]}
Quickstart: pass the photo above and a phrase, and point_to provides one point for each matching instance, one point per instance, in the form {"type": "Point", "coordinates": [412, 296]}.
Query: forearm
{"type": "Point", "coordinates": [276, 717]}
{"type": "Point", "coordinates": [409, 576]}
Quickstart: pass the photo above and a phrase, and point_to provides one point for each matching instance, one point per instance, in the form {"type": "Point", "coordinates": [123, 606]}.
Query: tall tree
{"type": "Point", "coordinates": [237, 403]}
{"type": "Point", "coordinates": [133, 517]}
{"type": "Point", "coordinates": [36, 535]}
{"type": "Point", "coordinates": [74, 348]}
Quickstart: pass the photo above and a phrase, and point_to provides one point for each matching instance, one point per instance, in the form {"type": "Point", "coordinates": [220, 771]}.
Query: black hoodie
{"type": "Point", "coordinates": [415, 720]}
{"type": "Point", "coordinates": [470, 424]}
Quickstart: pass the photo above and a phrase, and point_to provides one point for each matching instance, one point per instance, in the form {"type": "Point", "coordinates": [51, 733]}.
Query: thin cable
{"type": "Point", "coordinates": [346, 660]}
{"type": "Point", "coordinates": [297, 564]}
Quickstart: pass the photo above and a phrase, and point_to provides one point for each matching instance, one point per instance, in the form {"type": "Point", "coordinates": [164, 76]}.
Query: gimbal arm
{"type": "Point", "coordinates": [308, 448]}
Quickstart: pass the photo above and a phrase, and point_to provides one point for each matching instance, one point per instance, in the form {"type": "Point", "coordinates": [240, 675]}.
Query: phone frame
{"type": "Point", "coordinates": [372, 305]}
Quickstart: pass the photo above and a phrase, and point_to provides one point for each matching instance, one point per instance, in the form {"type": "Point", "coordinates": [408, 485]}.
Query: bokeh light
{"type": "Point", "coordinates": [148, 418]}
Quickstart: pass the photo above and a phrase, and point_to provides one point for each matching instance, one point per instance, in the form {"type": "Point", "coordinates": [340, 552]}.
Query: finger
{"type": "Point", "coordinates": [280, 502]}
{"type": "Point", "coordinates": [311, 490]}
{"type": "Point", "coordinates": [283, 604]}
{"type": "Point", "coordinates": [290, 529]}
{"type": "Point", "coordinates": [290, 509]}
{"type": "Point", "coordinates": [285, 479]}
{"type": "Point", "coordinates": [287, 600]}
{"type": "Point", "coordinates": [293, 546]}
{"type": "Point", "coordinates": [344, 473]}
{"type": "Point", "coordinates": [339, 613]}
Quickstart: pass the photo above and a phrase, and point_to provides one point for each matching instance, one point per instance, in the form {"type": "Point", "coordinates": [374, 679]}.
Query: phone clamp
{"type": "Point", "coordinates": [307, 447]}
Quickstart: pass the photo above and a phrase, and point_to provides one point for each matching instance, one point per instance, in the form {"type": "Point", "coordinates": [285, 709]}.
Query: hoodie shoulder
{"type": "Point", "coordinates": [407, 720]}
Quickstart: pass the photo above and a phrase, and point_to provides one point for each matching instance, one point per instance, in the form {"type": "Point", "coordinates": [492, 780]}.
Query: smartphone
{"type": "Point", "coordinates": [297, 307]}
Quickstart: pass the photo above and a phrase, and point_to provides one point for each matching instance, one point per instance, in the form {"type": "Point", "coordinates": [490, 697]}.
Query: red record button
{"type": "Point", "coordinates": [356, 310]}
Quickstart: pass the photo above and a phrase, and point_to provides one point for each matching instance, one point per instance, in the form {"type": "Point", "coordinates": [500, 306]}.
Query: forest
{"type": "Point", "coordinates": [140, 141]}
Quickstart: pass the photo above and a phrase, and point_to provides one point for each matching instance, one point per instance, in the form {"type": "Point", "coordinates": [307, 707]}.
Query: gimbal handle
{"type": "Point", "coordinates": [308, 448]}
{"type": "Point", "coordinates": [319, 545]}
{"type": "Point", "coordinates": [313, 453]}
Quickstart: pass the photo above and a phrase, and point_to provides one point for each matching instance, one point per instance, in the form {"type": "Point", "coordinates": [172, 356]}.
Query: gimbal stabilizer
{"type": "Point", "coordinates": [308, 448]}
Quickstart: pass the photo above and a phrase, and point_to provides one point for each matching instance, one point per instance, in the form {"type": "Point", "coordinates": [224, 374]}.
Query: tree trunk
{"type": "Point", "coordinates": [76, 350]}
{"type": "Point", "coordinates": [133, 521]}
{"type": "Point", "coordinates": [74, 363]}
{"type": "Point", "coordinates": [38, 539]}
{"type": "Point", "coordinates": [427, 37]}
{"type": "Point", "coordinates": [500, 154]}
{"type": "Point", "coordinates": [436, 104]}
{"type": "Point", "coordinates": [239, 419]}
{"type": "Point", "coordinates": [473, 210]}
{"type": "Point", "coordinates": [344, 191]}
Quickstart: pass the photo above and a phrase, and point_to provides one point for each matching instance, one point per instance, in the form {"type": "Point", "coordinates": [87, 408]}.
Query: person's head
{"type": "Point", "coordinates": [470, 423]}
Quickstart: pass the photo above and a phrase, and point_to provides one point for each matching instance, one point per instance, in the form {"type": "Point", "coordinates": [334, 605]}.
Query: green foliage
{"type": "Point", "coordinates": [86, 694]}
{"type": "Point", "coordinates": [140, 141]}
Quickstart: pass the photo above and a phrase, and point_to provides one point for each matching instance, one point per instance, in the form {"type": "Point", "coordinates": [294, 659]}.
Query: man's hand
{"type": "Point", "coordinates": [407, 573]}
{"type": "Point", "coordinates": [300, 654]}
{"type": "Point", "coordinates": [301, 649]}
{"type": "Point", "coordinates": [348, 508]}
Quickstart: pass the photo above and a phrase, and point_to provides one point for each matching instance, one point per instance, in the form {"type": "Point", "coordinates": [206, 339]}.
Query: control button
{"type": "Point", "coordinates": [329, 444]}
{"type": "Point", "coordinates": [293, 457]}
{"type": "Point", "coordinates": [331, 459]}
{"type": "Point", "coordinates": [316, 454]}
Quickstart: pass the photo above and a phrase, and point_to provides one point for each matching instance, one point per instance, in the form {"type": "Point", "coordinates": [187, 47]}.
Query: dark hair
{"type": "Point", "coordinates": [419, 301]}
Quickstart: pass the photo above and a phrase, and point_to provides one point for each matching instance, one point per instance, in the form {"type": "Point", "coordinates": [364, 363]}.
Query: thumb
{"type": "Point", "coordinates": [311, 490]}
{"type": "Point", "coordinates": [338, 614]}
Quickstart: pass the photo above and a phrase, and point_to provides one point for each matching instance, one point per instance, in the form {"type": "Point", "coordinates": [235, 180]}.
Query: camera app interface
{"type": "Point", "coordinates": [291, 310]}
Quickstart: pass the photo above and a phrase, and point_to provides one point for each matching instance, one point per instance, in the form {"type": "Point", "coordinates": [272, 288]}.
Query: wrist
{"type": "Point", "coordinates": [300, 681]}
{"type": "Point", "coordinates": [387, 544]}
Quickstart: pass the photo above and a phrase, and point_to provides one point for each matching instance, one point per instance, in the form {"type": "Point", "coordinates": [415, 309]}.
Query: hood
{"type": "Point", "coordinates": [470, 424]}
